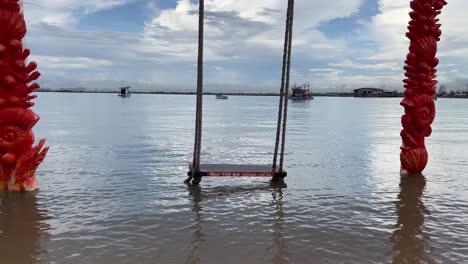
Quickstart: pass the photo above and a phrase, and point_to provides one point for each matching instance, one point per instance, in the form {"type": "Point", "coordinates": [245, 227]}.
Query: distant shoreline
{"type": "Point", "coordinates": [158, 92]}
{"type": "Point", "coordinates": [400, 95]}
{"type": "Point", "coordinates": [194, 93]}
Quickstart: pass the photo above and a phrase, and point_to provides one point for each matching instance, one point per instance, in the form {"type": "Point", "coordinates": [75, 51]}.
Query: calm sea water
{"type": "Point", "coordinates": [112, 185]}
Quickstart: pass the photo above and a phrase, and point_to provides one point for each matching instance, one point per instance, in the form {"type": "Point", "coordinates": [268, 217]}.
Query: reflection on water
{"type": "Point", "coordinates": [281, 256]}
{"type": "Point", "coordinates": [112, 184]}
{"type": "Point", "coordinates": [410, 241]}
{"type": "Point", "coordinates": [21, 228]}
{"type": "Point", "coordinates": [197, 194]}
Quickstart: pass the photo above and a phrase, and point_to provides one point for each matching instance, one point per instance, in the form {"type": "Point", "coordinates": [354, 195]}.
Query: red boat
{"type": "Point", "coordinates": [301, 92]}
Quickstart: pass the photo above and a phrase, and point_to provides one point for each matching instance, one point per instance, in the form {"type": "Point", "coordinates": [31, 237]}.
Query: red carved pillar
{"type": "Point", "coordinates": [18, 158]}
{"type": "Point", "coordinates": [424, 33]}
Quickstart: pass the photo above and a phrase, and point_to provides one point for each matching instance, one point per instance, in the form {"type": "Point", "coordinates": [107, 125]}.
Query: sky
{"type": "Point", "coordinates": [151, 45]}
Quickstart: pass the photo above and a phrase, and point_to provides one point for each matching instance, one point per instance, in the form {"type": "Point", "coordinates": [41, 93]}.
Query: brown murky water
{"type": "Point", "coordinates": [112, 186]}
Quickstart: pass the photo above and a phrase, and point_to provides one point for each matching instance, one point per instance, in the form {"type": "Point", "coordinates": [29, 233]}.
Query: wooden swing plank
{"type": "Point", "coordinates": [237, 170]}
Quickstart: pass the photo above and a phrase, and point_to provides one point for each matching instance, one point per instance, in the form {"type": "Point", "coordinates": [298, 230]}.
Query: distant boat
{"type": "Point", "coordinates": [125, 91]}
{"type": "Point", "coordinates": [301, 93]}
{"type": "Point", "coordinates": [221, 96]}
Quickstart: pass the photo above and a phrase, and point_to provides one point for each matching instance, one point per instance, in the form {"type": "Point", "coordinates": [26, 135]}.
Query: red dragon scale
{"type": "Point", "coordinates": [420, 85]}
{"type": "Point", "coordinates": [19, 159]}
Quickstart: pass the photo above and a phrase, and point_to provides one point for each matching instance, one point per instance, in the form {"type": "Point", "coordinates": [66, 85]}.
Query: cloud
{"type": "Point", "coordinates": [241, 29]}
{"type": "Point", "coordinates": [322, 70]}
{"type": "Point", "coordinates": [367, 66]}
{"type": "Point", "coordinates": [243, 40]}
{"type": "Point", "coordinates": [243, 44]}
{"type": "Point", "coordinates": [66, 63]}
{"type": "Point", "coordinates": [388, 30]}
{"type": "Point", "coordinates": [64, 12]}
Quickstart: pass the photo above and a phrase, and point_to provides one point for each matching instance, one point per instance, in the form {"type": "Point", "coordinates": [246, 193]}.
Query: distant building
{"type": "Point", "coordinates": [461, 94]}
{"type": "Point", "coordinates": [374, 92]}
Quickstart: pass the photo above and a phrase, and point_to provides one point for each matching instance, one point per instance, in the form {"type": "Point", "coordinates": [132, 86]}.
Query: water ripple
{"type": "Point", "coordinates": [112, 192]}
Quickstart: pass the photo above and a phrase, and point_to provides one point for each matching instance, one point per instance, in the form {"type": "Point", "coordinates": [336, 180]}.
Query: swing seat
{"type": "Point", "coordinates": [236, 170]}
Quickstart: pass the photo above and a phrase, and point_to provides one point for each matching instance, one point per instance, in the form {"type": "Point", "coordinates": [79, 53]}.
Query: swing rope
{"type": "Point", "coordinates": [199, 114]}
{"type": "Point", "coordinates": [285, 77]}
{"type": "Point", "coordinates": [286, 92]}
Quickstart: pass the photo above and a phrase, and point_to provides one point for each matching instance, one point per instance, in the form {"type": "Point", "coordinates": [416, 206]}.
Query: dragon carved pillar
{"type": "Point", "coordinates": [19, 159]}
{"type": "Point", "coordinates": [420, 84]}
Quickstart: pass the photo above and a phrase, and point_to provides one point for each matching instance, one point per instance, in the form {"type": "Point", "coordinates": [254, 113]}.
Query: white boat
{"type": "Point", "coordinates": [221, 96]}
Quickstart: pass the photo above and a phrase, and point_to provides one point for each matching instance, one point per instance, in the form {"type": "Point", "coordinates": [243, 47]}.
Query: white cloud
{"type": "Point", "coordinates": [239, 34]}
{"type": "Point", "coordinates": [66, 63]}
{"type": "Point", "coordinates": [367, 66]}
{"type": "Point", "coordinates": [243, 43]}
{"type": "Point", "coordinates": [64, 12]}
{"type": "Point", "coordinates": [322, 70]}
{"type": "Point", "coordinates": [380, 60]}
{"type": "Point", "coordinates": [249, 32]}
{"type": "Point", "coordinates": [237, 29]}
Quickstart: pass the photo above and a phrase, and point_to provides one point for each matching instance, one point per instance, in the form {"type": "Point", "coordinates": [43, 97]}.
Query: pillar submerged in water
{"type": "Point", "coordinates": [420, 84]}
{"type": "Point", "coordinates": [19, 159]}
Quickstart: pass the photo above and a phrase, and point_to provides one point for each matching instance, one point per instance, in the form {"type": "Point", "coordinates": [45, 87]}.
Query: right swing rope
{"type": "Point", "coordinates": [199, 109]}
{"type": "Point", "coordinates": [284, 92]}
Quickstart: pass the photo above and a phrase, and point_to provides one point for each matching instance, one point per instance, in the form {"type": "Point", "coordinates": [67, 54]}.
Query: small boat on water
{"type": "Point", "coordinates": [125, 91]}
{"type": "Point", "coordinates": [301, 93]}
{"type": "Point", "coordinates": [221, 96]}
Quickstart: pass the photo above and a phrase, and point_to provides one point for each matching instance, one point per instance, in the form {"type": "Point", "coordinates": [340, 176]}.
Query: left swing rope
{"type": "Point", "coordinates": [199, 107]}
